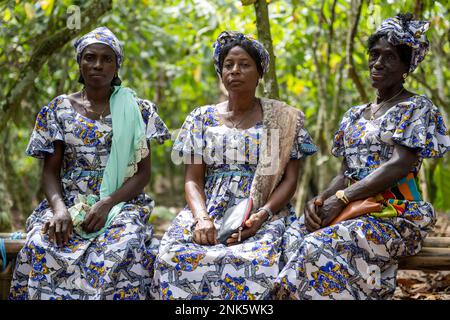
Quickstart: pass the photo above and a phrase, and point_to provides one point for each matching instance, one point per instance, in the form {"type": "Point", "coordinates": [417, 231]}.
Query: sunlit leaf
{"type": "Point", "coordinates": [7, 15]}
{"type": "Point", "coordinates": [247, 2]}
{"type": "Point", "coordinates": [29, 10]}
{"type": "Point", "coordinates": [47, 6]}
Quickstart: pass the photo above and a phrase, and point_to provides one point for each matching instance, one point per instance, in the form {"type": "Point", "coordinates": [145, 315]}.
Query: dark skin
{"type": "Point", "coordinates": [240, 78]}
{"type": "Point", "coordinates": [386, 73]}
{"type": "Point", "coordinates": [98, 67]}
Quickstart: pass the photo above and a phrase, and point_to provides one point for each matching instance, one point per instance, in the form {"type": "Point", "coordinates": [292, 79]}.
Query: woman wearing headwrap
{"type": "Point", "coordinates": [90, 238]}
{"type": "Point", "coordinates": [232, 154]}
{"type": "Point", "coordinates": [330, 256]}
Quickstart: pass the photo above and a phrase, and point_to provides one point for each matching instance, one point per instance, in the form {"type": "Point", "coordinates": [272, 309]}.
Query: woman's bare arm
{"type": "Point", "coordinates": [59, 227]}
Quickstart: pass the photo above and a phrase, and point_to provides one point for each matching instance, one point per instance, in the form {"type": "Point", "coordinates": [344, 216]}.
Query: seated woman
{"type": "Point", "coordinates": [227, 162]}
{"type": "Point", "coordinates": [383, 145]}
{"type": "Point", "coordinates": [90, 239]}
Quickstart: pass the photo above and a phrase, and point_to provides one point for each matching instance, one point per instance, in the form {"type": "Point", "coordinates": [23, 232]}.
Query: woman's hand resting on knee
{"type": "Point", "coordinates": [205, 233]}
{"type": "Point", "coordinates": [59, 228]}
{"type": "Point", "coordinates": [313, 221]}
{"type": "Point", "coordinates": [97, 216]}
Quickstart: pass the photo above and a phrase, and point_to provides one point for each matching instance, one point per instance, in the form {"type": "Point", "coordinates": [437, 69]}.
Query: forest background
{"type": "Point", "coordinates": [321, 68]}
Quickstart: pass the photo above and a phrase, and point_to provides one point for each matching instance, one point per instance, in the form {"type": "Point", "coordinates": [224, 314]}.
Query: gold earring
{"type": "Point", "coordinates": [405, 75]}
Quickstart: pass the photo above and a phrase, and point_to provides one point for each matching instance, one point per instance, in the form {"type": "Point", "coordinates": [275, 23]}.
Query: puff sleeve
{"type": "Point", "coordinates": [420, 126]}
{"type": "Point", "coordinates": [47, 130]}
{"type": "Point", "coordinates": [303, 145]}
{"type": "Point", "coordinates": [189, 140]}
{"type": "Point", "coordinates": [155, 128]}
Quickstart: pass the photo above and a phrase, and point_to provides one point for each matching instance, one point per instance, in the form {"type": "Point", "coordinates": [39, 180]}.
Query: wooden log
{"type": "Point", "coordinates": [5, 281]}
{"type": "Point", "coordinates": [437, 242]}
{"type": "Point", "coordinates": [427, 259]}
{"type": "Point", "coordinates": [13, 247]}
{"type": "Point", "coordinates": [8, 235]}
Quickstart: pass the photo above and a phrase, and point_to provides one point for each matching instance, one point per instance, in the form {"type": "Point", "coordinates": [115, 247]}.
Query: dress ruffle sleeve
{"type": "Point", "coordinates": [420, 126]}
{"type": "Point", "coordinates": [156, 129]}
{"type": "Point", "coordinates": [303, 145]}
{"type": "Point", "coordinates": [47, 130]}
{"type": "Point", "coordinates": [338, 147]}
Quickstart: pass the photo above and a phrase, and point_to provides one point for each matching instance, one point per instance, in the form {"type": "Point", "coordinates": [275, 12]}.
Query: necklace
{"type": "Point", "coordinates": [382, 104]}
{"type": "Point", "coordinates": [84, 97]}
{"type": "Point", "coordinates": [244, 116]}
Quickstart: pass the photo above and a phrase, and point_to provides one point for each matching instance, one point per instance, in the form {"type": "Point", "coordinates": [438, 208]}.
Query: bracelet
{"type": "Point", "coordinates": [269, 212]}
{"type": "Point", "coordinates": [206, 218]}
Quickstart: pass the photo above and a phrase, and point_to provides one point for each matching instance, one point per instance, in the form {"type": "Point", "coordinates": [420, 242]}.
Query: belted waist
{"type": "Point", "coordinates": [216, 174]}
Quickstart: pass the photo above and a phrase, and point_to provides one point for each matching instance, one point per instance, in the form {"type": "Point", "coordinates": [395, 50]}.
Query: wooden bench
{"type": "Point", "coordinates": [12, 249]}
{"type": "Point", "coordinates": [434, 256]}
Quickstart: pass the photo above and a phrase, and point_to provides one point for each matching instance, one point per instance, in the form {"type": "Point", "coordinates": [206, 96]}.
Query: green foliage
{"type": "Point", "coordinates": [162, 213]}
{"type": "Point", "coordinates": [441, 178]}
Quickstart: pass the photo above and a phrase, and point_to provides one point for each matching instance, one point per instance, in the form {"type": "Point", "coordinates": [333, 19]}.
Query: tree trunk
{"type": "Point", "coordinates": [6, 202]}
{"type": "Point", "coordinates": [263, 27]}
{"type": "Point", "coordinates": [354, 20]}
{"type": "Point", "coordinates": [418, 9]}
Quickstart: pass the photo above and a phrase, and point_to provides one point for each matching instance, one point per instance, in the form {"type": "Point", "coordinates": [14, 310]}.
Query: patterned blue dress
{"type": "Point", "coordinates": [186, 270]}
{"type": "Point", "coordinates": [357, 259]}
{"type": "Point", "coordinates": [118, 264]}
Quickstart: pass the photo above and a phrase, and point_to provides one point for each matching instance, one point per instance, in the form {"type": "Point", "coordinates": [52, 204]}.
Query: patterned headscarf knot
{"type": "Point", "coordinates": [100, 35]}
{"type": "Point", "coordinates": [411, 33]}
{"type": "Point", "coordinates": [226, 37]}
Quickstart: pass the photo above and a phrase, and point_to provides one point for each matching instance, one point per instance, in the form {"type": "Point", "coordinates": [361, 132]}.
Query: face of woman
{"type": "Point", "coordinates": [239, 71]}
{"type": "Point", "coordinates": [385, 65]}
{"type": "Point", "coordinates": [98, 65]}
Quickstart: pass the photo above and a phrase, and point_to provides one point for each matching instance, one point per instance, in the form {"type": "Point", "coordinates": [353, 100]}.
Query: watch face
{"type": "Point", "coordinates": [340, 193]}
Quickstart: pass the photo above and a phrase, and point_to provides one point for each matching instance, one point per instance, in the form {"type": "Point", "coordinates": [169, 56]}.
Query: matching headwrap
{"type": "Point", "coordinates": [226, 37]}
{"type": "Point", "coordinates": [411, 33]}
{"type": "Point", "coordinates": [100, 35]}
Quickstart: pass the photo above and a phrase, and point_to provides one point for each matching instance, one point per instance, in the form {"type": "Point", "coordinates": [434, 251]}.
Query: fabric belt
{"type": "Point", "coordinates": [230, 173]}
{"type": "Point", "coordinates": [73, 174]}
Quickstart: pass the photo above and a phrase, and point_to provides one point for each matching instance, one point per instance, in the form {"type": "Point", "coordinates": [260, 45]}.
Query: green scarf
{"type": "Point", "coordinates": [129, 146]}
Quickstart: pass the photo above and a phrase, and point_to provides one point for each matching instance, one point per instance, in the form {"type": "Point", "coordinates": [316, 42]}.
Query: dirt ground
{"type": "Point", "coordinates": [422, 285]}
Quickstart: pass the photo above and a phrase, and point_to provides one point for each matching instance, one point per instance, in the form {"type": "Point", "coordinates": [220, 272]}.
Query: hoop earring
{"type": "Point", "coordinates": [405, 75]}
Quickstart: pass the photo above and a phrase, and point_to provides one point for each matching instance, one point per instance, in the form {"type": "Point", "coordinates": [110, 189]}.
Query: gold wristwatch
{"type": "Point", "coordinates": [340, 194]}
